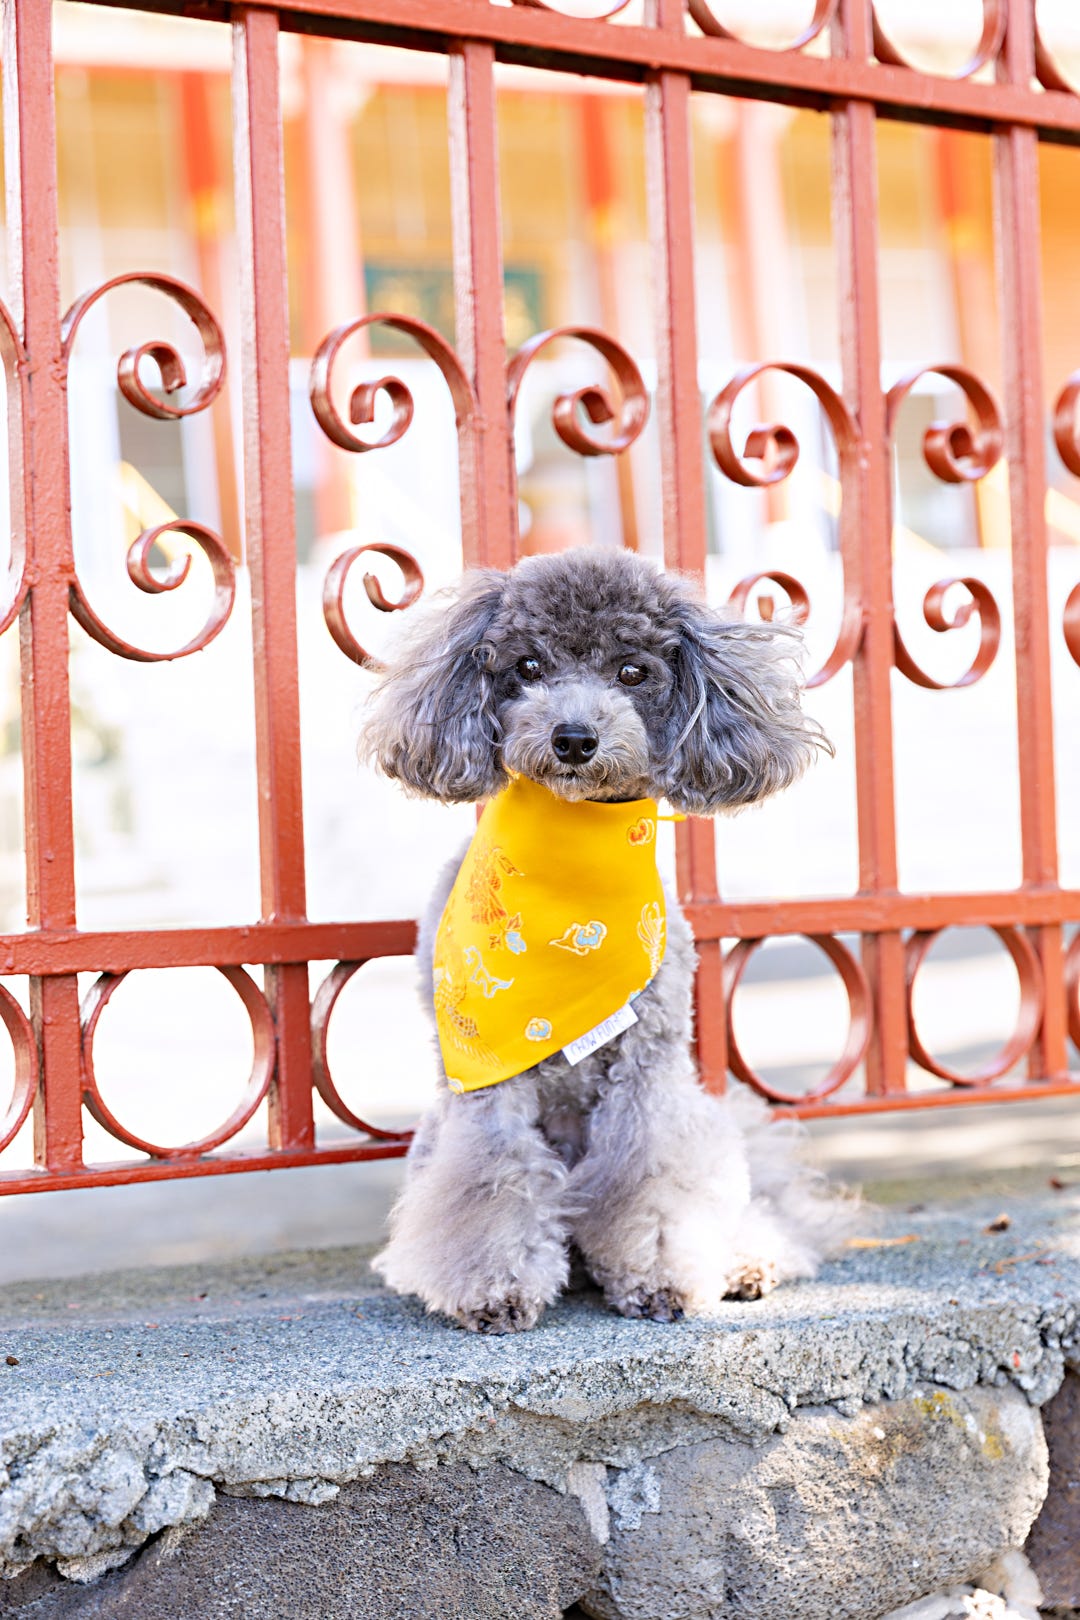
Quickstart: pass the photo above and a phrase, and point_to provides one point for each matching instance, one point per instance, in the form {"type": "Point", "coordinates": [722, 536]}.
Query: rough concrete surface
{"type": "Point", "coordinates": [836, 1519]}
{"type": "Point", "coordinates": [1054, 1544]}
{"type": "Point", "coordinates": [139, 1399]}
{"type": "Point", "coordinates": [445, 1543]}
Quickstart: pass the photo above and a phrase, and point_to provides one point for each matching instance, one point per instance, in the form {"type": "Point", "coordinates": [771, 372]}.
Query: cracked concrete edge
{"type": "Point", "coordinates": [86, 1496]}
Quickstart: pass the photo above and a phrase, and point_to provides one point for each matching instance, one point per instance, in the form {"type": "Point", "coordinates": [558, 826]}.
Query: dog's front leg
{"type": "Point", "coordinates": [664, 1185]}
{"type": "Point", "coordinates": [479, 1231]}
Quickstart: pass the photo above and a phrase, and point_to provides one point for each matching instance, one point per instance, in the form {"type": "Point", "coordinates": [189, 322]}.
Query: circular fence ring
{"type": "Point", "coordinates": [1029, 974]}
{"type": "Point", "coordinates": [321, 1009]}
{"type": "Point", "coordinates": [606, 9]}
{"type": "Point", "coordinates": [988, 49]}
{"type": "Point", "coordinates": [262, 1066]}
{"type": "Point", "coordinates": [709, 23]}
{"type": "Point", "coordinates": [1072, 988]}
{"type": "Point", "coordinates": [859, 1025]}
{"type": "Point", "coordinates": [26, 1067]}
{"type": "Point", "coordinates": [1048, 70]}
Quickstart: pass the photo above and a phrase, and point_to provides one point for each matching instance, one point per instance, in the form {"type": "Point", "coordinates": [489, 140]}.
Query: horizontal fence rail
{"type": "Point", "coordinates": [844, 65]}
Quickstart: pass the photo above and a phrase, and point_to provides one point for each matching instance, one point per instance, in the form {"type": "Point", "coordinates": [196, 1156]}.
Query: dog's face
{"type": "Point", "coordinates": [595, 675]}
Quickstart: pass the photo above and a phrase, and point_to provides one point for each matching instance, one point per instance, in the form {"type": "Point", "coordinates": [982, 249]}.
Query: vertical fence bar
{"type": "Point", "coordinates": [1018, 236]}
{"type": "Point", "coordinates": [271, 546]}
{"type": "Point", "coordinates": [866, 530]}
{"type": "Point", "coordinates": [43, 506]}
{"type": "Point", "coordinates": [489, 521]}
{"type": "Point", "coordinates": [679, 408]}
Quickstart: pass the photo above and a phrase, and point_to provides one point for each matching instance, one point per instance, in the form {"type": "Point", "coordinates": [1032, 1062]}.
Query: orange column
{"type": "Point", "coordinates": [330, 272]}
{"type": "Point", "coordinates": [205, 182]}
{"type": "Point", "coordinates": [601, 198]}
{"type": "Point", "coordinates": [761, 261]}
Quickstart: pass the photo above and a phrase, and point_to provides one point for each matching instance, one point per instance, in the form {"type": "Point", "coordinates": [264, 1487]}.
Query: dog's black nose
{"type": "Point", "coordinates": [574, 744]}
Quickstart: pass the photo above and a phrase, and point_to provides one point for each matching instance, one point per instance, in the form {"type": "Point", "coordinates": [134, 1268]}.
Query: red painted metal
{"type": "Point", "coordinates": [488, 508]}
{"type": "Point", "coordinates": [42, 515]}
{"type": "Point", "coordinates": [334, 595]}
{"type": "Point", "coordinates": [990, 41]}
{"type": "Point", "coordinates": [627, 417]}
{"type": "Point", "coordinates": [678, 400]}
{"type": "Point", "coordinates": [259, 1081]}
{"type": "Point", "coordinates": [776, 448]}
{"type": "Point", "coordinates": [862, 78]}
{"type": "Point", "coordinates": [859, 1021]}
{"type": "Point", "coordinates": [866, 541]}
{"type": "Point", "coordinates": [268, 500]}
{"type": "Point", "coordinates": [955, 455]}
{"type": "Point", "coordinates": [1017, 227]}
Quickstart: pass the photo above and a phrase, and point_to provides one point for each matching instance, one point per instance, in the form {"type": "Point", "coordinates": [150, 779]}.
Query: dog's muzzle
{"type": "Point", "coordinates": [574, 744]}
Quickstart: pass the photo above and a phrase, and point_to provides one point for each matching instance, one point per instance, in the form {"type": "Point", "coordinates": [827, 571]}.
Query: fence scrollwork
{"type": "Point", "coordinates": [956, 455]}
{"type": "Point", "coordinates": [362, 403]}
{"type": "Point", "coordinates": [775, 448]}
{"type": "Point", "coordinates": [627, 414]}
{"type": "Point", "coordinates": [363, 397]}
{"type": "Point", "coordinates": [133, 385]}
{"type": "Point", "coordinates": [1066, 430]}
{"type": "Point", "coordinates": [334, 595]}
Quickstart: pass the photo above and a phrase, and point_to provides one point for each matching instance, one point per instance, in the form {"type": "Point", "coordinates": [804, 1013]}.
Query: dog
{"type": "Point", "coordinates": [588, 685]}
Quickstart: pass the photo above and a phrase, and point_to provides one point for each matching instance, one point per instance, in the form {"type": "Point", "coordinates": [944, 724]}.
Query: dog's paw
{"type": "Point", "coordinates": [510, 1315]}
{"type": "Point", "coordinates": [752, 1280]}
{"type": "Point", "coordinates": [657, 1304]}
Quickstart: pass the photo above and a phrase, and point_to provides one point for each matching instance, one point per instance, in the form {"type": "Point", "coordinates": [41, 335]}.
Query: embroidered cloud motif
{"type": "Point", "coordinates": [581, 938]}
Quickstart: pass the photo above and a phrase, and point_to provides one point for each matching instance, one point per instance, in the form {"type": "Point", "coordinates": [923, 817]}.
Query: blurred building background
{"type": "Point", "coordinates": [165, 776]}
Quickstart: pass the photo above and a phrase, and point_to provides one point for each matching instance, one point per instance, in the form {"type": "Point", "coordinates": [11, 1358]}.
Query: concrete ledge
{"type": "Point", "coordinates": [141, 1400]}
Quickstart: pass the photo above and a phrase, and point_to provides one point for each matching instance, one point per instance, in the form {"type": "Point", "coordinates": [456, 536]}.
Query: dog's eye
{"type": "Point", "coordinates": [631, 675]}
{"type": "Point", "coordinates": [529, 668]}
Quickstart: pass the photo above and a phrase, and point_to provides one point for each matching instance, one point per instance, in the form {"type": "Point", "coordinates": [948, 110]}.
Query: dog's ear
{"type": "Point", "coordinates": [432, 723]}
{"type": "Point", "coordinates": [736, 731]}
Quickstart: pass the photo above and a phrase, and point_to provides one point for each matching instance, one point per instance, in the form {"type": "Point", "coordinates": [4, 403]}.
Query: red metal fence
{"type": "Point", "coordinates": [861, 78]}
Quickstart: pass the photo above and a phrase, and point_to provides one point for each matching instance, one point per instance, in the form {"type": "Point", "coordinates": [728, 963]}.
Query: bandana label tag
{"type": "Point", "coordinates": [605, 1031]}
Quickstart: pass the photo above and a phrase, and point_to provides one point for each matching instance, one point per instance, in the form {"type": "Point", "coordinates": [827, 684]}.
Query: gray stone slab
{"type": "Point", "coordinates": [139, 1398]}
{"type": "Point", "coordinates": [837, 1519]}
{"type": "Point", "coordinates": [1054, 1544]}
{"type": "Point", "coordinates": [442, 1544]}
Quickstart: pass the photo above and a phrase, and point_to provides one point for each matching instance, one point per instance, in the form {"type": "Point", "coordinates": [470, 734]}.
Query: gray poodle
{"type": "Point", "coordinates": [600, 679]}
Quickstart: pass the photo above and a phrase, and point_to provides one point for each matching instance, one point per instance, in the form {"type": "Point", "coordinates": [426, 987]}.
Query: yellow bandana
{"type": "Point", "coordinates": [555, 921]}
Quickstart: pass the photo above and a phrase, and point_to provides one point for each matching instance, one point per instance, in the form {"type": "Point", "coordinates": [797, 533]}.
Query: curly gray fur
{"type": "Point", "coordinates": [675, 1199]}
